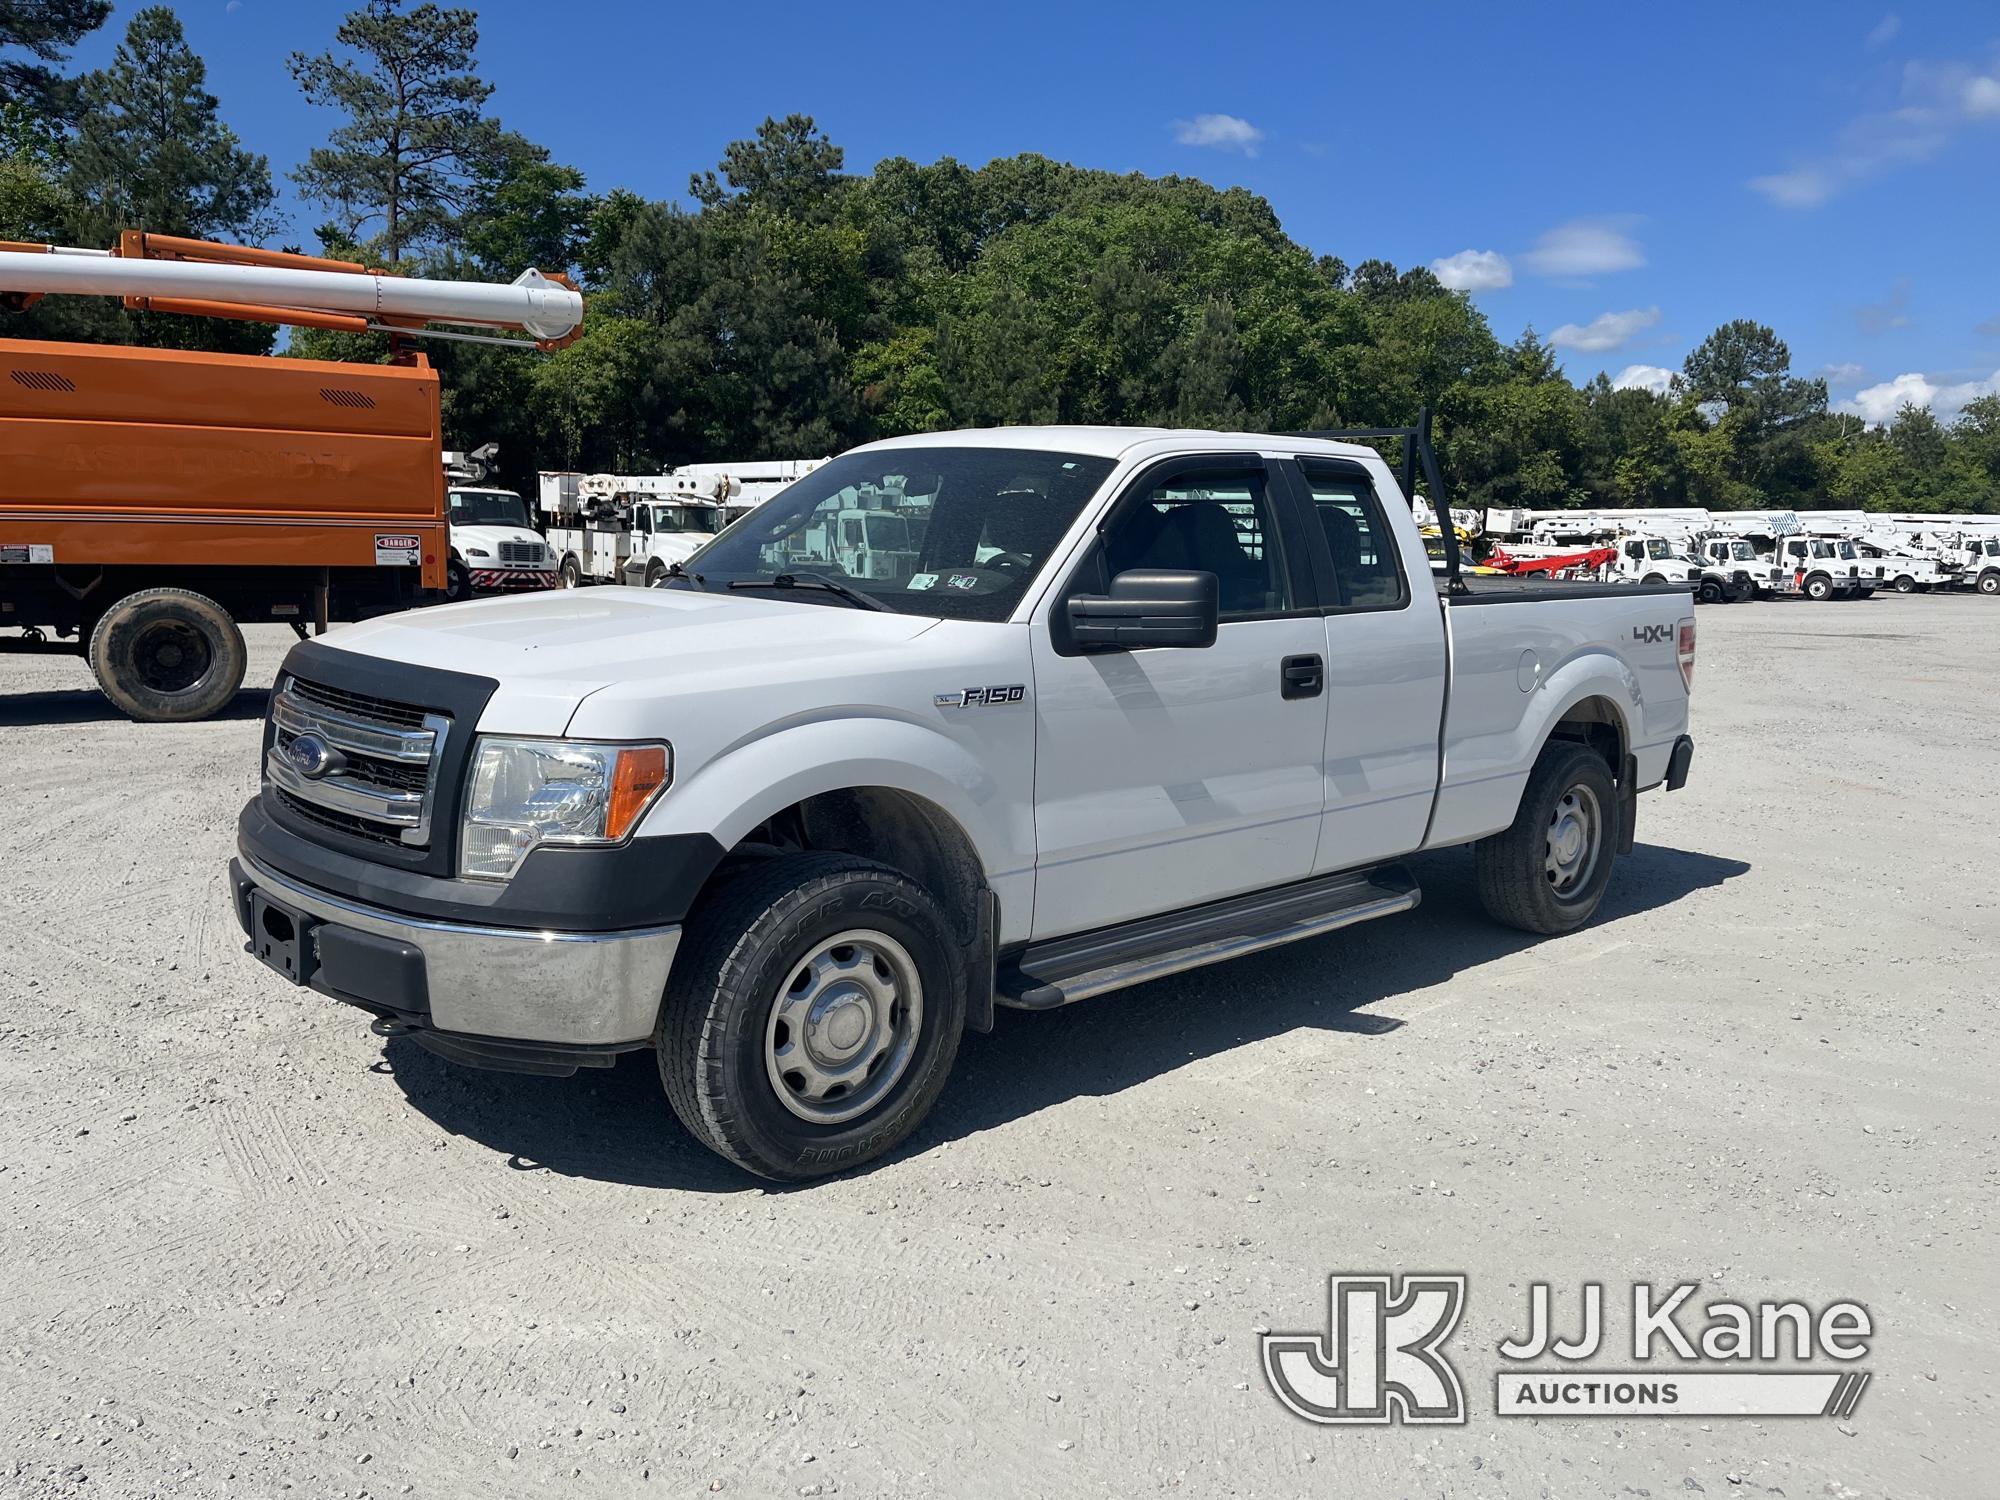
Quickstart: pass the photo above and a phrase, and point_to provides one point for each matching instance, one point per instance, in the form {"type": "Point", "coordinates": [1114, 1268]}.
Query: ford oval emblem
{"type": "Point", "coordinates": [313, 756]}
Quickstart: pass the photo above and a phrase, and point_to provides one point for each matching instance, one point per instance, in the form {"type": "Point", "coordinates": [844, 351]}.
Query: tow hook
{"type": "Point", "coordinates": [393, 1026]}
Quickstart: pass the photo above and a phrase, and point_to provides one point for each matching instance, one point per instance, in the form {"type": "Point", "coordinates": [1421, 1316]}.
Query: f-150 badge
{"type": "Point", "coordinates": [981, 697]}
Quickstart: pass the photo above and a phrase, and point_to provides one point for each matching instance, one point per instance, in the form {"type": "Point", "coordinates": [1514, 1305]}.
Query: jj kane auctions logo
{"type": "Point", "coordinates": [1382, 1360]}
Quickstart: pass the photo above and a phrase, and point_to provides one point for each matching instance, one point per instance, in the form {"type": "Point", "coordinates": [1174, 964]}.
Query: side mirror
{"type": "Point", "coordinates": [1146, 607]}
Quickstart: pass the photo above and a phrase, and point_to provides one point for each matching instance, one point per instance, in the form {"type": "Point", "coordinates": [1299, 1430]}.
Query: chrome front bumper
{"type": "Point", "coordinates": [566, 989]}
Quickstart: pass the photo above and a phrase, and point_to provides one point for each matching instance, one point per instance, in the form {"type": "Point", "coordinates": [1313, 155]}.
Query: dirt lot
{"type": "Point", "coordinates": [251, 1249]}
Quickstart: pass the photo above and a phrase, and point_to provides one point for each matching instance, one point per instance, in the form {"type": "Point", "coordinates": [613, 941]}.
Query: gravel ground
{"type": "Point", "coordinates": [252, 1249]}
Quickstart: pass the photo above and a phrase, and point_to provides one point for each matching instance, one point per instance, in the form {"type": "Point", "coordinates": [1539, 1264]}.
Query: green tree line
{"type": "Point", "coordinates": [790, 307]}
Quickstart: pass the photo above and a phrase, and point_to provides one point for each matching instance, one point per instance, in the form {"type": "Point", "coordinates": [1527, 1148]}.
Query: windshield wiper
{"type": "Point", "coordinates": [813, 581]}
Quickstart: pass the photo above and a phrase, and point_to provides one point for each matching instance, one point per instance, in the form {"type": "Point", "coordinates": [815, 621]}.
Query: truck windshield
{"type": "Point", "coordinates": [1742, 552]}
{"type": "Point", "coordinates": [1660, 549]}
{"type": "Point", "coordinates": [1844, 549]}
{"type": "Point", "coordinates": [1993, 548]}
{"type": "Point", "coordinates": [956, 533]}
{"type": "Point", "coordinates": [488, 508]}
{"type": "Point", "coordinates": [683, 518]}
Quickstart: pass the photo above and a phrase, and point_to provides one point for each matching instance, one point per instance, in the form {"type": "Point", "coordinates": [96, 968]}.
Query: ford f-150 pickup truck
{"type": "Point", "coordinates": [1134, 701]}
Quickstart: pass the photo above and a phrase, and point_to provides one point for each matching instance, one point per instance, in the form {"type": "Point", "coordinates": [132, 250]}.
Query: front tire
{"type": "Point", "coordinates": [457, 582]}
{"type": "Point", "coordinates": [811, 1022]}
{"type": "Point", "coordinates": [168, 656]}
{"type": "Point", "coordinates": [1989, 582]}
{"type": "Point", "coordinates": [1819, 587]}
{"type": "Point", "coordinates": [1547, 871]}
{"type": "Point", "coordinates": [572, 573]}
{"type": "Point", "coordinates": [656, 573]}
{"type": "Point", "coordinates": [1710, 592]}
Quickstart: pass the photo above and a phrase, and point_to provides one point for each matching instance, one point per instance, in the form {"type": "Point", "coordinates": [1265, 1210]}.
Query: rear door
{"type": "Point", "coordinates": [1386, 666]}
{"type": "Point", "coordinates": [1170, 777]}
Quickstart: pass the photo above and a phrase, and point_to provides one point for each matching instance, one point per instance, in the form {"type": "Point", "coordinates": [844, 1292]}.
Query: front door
{"type": "Point", "coordinates": [1170, 777]}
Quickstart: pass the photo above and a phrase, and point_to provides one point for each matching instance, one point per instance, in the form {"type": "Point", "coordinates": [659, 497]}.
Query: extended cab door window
{"type": "Point", "coordinates": [1366, 572]}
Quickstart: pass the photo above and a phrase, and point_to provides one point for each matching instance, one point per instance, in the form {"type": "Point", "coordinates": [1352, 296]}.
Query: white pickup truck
{"type": "Point", "coordinates": [1141, 700]}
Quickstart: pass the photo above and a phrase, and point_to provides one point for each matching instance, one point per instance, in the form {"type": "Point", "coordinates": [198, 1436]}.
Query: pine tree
{"type": "Point", "coordinates": [150, 151]}
{"type": "Point", "coordinates": [45, 30]}
{"type": "Point", "coordinates": [415, 138]}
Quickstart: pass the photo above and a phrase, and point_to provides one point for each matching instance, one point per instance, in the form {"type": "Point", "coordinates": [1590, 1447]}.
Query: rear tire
{"type": "Point", "coordinates": [813, 1018]}
{"type": "Point", "coordinates": [168, 656]}
{"type": "Point", "coordinates": [1905, 584]}
{"type": "Point", "coordinates": [1547, 872]}
{"type": "Point", "coordinates": [572, 573]}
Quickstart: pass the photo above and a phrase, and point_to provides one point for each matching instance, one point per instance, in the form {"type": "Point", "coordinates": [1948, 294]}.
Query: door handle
{"type": "Point", "coordinates": [1302, 676]}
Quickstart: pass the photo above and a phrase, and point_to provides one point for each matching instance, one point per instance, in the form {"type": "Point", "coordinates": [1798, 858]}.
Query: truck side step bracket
{"type": "Point", "coordinates": [1055, 973]}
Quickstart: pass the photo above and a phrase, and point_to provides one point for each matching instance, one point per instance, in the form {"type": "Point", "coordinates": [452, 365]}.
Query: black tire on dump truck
{"type": "Point", "coordinates": [168, 655]}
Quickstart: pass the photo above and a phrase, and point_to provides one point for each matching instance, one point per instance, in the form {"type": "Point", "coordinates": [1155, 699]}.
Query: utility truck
{"type": "Point", "coordinates": [615, 528]}
{"type": "Point", "coordinates": [494, 545]}
{"type": "Point", "coordinates": [152, 500]}
{"type": "Point", "coordinates": [1135, 701]}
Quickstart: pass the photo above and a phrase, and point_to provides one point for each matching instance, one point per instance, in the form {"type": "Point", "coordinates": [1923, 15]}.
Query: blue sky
{"type": "Point", "coordinates": [1622, 177]}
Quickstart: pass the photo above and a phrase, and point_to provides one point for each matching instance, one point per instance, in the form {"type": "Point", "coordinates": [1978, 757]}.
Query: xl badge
{"type": "Point", "coordinates": [981, 697]}
{"type": "Point", "coordinates": [313, 756]}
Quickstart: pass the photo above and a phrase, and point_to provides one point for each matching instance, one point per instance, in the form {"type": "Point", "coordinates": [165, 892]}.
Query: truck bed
{"type": "Point", "coordinates": [1488, 588]}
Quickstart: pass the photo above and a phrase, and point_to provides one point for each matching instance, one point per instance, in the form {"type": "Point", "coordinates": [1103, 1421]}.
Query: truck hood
{"type": "Point", "coordinates": [490, 537]}
{"type": "Point", "coordinates": [550, 651]}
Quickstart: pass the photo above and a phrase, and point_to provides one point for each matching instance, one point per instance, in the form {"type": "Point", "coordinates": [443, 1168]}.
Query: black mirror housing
{"type": "Point", "coordinates": [1146, 607]}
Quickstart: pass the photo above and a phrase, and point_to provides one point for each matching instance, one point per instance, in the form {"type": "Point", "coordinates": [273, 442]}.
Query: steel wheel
{"type": "Point", "coordinates": [171, 656]}
{"type": "Point", "coordinates": [1576, 831]}
{"type": "Point", "coordinates": [843, 1030]}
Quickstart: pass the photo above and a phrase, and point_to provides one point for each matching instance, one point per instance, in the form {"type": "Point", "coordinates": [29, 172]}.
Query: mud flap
{"type": "Point", "coordinates": [982, 959]}
{"type": "Point", "coordinates": [1628, 805]}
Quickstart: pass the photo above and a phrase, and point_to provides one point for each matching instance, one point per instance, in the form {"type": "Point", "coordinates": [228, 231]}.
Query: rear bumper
{"type": "Point", "coordinates": [498, 995]}
{"type": "Point", "coordinates": [1679, 762]}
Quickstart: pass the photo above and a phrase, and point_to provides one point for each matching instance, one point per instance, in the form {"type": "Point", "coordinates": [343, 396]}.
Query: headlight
{"type": "Point", "coordinates": [477, 552]}
{"type": "Point", "coordinates": [525, 793]}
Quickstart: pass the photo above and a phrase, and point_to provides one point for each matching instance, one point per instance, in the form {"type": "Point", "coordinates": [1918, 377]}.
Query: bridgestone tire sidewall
{"type": "Point", "coordinates": [117, 635]}
{"type": "Point", "coordinates": [779, 1142]}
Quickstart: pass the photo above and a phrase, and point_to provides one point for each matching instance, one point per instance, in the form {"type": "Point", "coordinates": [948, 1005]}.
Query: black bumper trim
{"type": "Point", "coordinates": [647, 882]}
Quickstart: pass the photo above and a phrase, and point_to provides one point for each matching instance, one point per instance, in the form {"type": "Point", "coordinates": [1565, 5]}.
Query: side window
{"type": "Point", "coordinates": [1208, 523]}
{"type": "Point", "coordinates": [1363, 547]}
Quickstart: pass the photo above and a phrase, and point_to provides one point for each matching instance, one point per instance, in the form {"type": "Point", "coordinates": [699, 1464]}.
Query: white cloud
{"type": "Point", "coordinates": [1841, 374]}
{"type": "Point", "coordinates": [1586, 247]}
{"type": "Point", "coordinates": [1878, 404]}
{"type": "Point", "coordinates": [1885, 31]}
{"type": "Point", "coordinates": [1222, 132]}
{"type": "Point", "coordinates": [1655, 378]}
{"type": "Point", "coordinates": [1936, 101]}
{"type": "Point", "coordinates": [1606, 331]}
{"type": "Point", "coordinates": [1808, 187]}
{"type": "Point", "coordinates": [1474, 271]}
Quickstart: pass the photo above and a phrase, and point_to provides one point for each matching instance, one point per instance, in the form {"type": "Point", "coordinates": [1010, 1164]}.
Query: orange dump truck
{"type": "Point", "coordinates": [153, 500]}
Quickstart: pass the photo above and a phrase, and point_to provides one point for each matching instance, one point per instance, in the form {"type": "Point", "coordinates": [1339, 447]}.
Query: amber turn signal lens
{"type": "Point", "coordinates": [642, 771]}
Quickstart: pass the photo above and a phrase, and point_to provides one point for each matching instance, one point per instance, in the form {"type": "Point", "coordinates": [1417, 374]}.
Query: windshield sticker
{"type": "Point", "coordinates": [921, 580]}
{"type": "Point", "coordinates": [962, 581]}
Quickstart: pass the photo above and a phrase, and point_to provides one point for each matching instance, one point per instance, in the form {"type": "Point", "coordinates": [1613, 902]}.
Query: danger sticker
{"type": "Point", "coordinates": [398, 550]}
{"type": "Point", "coordinates": [27, 552]}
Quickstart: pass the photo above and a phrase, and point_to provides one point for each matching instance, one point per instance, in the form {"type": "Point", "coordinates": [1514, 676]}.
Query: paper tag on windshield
{"type": "Point", "coordinates": [921, 580]}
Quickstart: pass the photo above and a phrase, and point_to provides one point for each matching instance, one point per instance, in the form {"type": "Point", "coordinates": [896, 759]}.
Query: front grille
{"type": "Point", "coordinates": [520, 552]}
{"type": "Point", "coordinates": [353, 827]}
{"type": "Point", "coordinates": [361, 705]}
{"type": "Point", "coordinates": [363, 766]}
